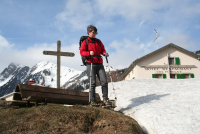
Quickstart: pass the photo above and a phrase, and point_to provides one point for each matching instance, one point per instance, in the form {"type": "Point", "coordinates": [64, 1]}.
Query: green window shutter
{"type": "Point", "coordinates": [192, 75]}
{"type": "Point", "coordinates": [178, 76]}
{"type": "Point", "coordinates": [182, 76]}
{"type": "Point", "coordinates": [177, 61]}
{"type": "Point", "coordinates": [153, 75]}
{"type": "Point", "coordinates": [164, 76]}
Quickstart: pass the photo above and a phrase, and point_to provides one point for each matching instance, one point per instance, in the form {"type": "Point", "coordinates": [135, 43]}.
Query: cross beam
{"type": "Point", "coordinates": [58, 53]}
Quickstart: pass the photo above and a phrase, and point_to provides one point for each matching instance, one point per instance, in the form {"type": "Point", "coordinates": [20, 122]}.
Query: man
{"type": "Point", "coordinates": [95, 50]}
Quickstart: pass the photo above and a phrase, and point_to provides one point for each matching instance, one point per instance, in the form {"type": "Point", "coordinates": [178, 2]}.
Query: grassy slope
{"type": "Point", "coordinates": [69, 120]}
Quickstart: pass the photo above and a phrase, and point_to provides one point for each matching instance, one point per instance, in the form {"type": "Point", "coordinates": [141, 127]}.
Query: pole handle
{"type": "Point", "coordinates": [106, 59]}
{"type": "Point", "coordinates": [92, 58]}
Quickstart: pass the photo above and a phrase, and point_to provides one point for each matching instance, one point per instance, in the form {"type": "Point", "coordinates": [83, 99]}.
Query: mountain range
{"type": "Point", "coordinates": [45, 74]}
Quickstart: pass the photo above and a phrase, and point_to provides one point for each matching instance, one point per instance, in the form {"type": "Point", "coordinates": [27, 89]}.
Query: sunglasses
{"type": "Point", "coordinates": [94, 32]}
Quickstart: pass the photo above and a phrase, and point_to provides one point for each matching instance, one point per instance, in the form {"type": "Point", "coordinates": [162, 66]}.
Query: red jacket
{"type": "Point", "coordinates": [97, 47]}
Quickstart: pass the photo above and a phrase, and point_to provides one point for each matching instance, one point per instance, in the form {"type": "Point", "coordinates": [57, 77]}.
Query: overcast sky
{"type": "Point", "coordinates": [126, 28]}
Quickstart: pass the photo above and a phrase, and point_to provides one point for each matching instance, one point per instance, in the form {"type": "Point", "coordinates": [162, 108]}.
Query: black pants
{"type": "Point", "coordinates": [99, 71]}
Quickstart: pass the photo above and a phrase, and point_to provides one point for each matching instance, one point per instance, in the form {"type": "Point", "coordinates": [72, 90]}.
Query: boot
{"type": "Point", "coordinates": [106, 102]}
{"type": "Point", "coordinates": [94, 104]}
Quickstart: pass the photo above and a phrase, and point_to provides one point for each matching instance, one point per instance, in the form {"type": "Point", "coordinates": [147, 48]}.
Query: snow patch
{"type": "Point", "coordinates": [66, 73]}
{"type": "Point", "coordinates": [160, 106]}
{"type": "Point", "coordinates": [6, 80]}
{"type": "Point", "coordinates": [107, 68]}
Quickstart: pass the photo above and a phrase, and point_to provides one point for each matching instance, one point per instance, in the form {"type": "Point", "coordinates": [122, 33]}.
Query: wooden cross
{"type": "Point", "coordinates": [58, 53]}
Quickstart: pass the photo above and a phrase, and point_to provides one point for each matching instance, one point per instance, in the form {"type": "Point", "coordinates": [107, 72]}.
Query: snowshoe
{"type": "Point", "coordinates": [94, 104]}
{"type": "Point", "coordinates": [106, 103]}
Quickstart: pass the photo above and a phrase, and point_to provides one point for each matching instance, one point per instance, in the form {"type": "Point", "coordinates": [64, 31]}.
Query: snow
{"type": "Point", "coordinates": [5, 81]}
{"type": "Point", "coordinates": [10, 67]}
{"type": "Point", "coordinates": [160, 106]}
{"type": "Point", "coordinates": [66, 73]}
{"type": "Point", "coordinates": [84, 78]}
{"type": "Point", "coordinates": [107, 68]}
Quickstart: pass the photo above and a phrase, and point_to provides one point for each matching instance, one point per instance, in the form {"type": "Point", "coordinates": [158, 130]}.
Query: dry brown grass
{"type": "Point", "coordinates": [65, 120]}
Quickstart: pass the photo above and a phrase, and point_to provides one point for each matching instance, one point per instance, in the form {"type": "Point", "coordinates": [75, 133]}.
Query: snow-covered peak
{"type": "Point", "coordinates": [10, 72]}
{"type": "Point", "coordinates": [12, 64]}
{"type": "Point", "coordinates": [12, 67]}
{"type": "Point", "coordinates": [41, 66]}
{"type": "Point", "coordinates": [49, 71]}
{"type": "Point", "coordinates": [50, 66]}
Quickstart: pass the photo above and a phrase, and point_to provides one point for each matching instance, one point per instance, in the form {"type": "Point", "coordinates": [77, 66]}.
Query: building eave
{"type": "Point", "coordinates": [6, 96]}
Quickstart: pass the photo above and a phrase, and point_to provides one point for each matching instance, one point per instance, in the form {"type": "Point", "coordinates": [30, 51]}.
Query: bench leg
{"type": "Point", "coordinates": [36, 103]}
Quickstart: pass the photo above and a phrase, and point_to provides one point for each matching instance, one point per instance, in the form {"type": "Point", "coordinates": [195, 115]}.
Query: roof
{"type": "Point", "coordinates": [6, 96]}
{"type": "Point", "coordinates": [162, 48]}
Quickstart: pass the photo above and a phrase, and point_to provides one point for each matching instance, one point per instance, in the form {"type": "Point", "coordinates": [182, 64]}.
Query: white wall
{"type": "Point", "coordinates": [160, 58]}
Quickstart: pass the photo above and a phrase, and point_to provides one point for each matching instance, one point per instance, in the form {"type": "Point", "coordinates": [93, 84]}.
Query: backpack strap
{"type": "Point", "coordinates": [86, 44]}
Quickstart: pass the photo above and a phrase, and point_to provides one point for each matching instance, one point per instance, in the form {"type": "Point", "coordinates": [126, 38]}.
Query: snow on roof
{"type": "Point", "coordinates": [6, 96]}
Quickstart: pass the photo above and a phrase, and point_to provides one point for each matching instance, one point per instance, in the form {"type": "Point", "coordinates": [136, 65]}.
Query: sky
{"type": "Point", "coordinates": [126, 28]}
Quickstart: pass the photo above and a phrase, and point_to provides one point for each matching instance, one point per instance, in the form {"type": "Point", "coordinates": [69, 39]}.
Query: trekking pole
{"type": "Point", "coordinates": [90, 78]}
{"type": "Point", "coordinates": [110, 76]}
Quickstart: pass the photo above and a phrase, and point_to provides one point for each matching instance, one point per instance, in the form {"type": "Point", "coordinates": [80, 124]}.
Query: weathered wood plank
{"type": "Point", "coordinates": [36, 88]}
{"type": "Point", "coordinates": [20, 103]}
{"type": "Point", "coordinates": [58, 63]}
{"type": "Point", "coordinates": [55, 53]}
{"type": "Point", "coordinates": [36, 93]}
{"type": "Point", "coordinates": [58, 53]}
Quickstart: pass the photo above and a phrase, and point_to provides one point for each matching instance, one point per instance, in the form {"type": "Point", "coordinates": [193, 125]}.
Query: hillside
{"type": "Point", "coordinates": [65, 119]}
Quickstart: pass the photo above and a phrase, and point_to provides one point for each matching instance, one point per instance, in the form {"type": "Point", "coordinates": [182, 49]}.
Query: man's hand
{"type": "Point", "coordinates": [91, 53]}
{"type": "Point", "coordinates": [106, 54]}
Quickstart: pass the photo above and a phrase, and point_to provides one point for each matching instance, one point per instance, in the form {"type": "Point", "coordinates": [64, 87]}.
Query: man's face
{"type": "Point", "coordinates": [92, 34]}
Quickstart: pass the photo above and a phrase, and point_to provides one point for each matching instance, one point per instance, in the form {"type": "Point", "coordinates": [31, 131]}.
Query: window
{"type": "Point", "coordinates": [183, 76]}
{"type": "Point", "coordinates": [172, 76]}
{"type": "Point", "coordinates": [171, 61]}
{"type": "Point", "coordinates": [159, 76]}
{"type": "Point", "coordinates": [186, 76]}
